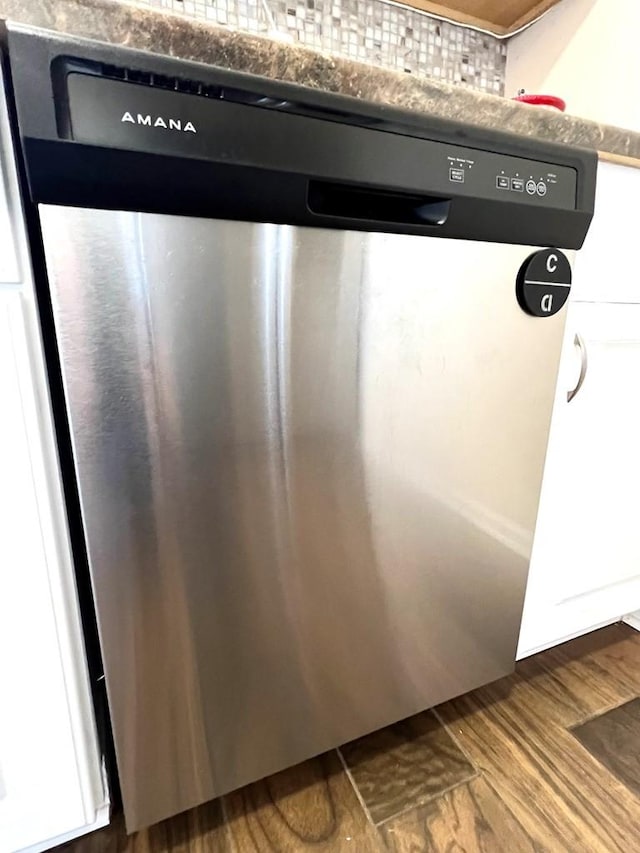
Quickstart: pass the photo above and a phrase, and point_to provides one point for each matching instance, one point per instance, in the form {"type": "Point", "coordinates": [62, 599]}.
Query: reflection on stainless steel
{"type": "Point", "coordinates": [309, 464]}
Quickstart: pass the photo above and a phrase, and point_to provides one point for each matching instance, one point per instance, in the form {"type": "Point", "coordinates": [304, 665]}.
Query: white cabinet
{"type": "Point", "coordinates": [585, 568]}
{"type": "Point", "coordinates": [51, 786]}
{"type": "Point", "coordinates": [606, 268]}
{"type": "Point", "coordinates": [41, 794]}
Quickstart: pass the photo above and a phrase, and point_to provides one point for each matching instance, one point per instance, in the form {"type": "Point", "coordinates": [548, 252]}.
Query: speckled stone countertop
{"type": "Point", "coordinates": [177, 36]}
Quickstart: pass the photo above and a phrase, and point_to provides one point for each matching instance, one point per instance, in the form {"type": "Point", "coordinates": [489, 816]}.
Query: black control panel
{"type": "Point", "coordinates": [130, 115]}
{"type": "Point", "coordinates": [104, 126]}
{"type": "Point", "coordinates": [513, 178]}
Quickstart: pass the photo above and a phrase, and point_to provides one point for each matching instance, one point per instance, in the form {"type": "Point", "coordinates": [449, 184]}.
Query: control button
{"type": "Point", "coordinates": [517, 185]}
{"type": "Point", "coordinates": [456, 175]}
{"type": "Point", "coordinates": [531, 187]}
{"type": "Point", "coordinates": [543, 283]}
{"type": "Point", "coordinates": [503, 182]}
{"type": "Point", "coordinates": [542, 188]}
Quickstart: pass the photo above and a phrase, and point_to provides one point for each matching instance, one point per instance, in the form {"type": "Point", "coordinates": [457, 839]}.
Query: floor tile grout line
{"type": "Point", "coordinates": [454, 738]}
{"type": "Point", "coordinates": [606, 710]}
{"type": "Point", "coordinates": [355, 787]}
{"type": "Point", "coordinates": [429, 799]}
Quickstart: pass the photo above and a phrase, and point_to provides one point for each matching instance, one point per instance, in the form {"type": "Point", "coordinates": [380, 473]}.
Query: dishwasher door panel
{"type": "Point", "coordinates": [309, 464]}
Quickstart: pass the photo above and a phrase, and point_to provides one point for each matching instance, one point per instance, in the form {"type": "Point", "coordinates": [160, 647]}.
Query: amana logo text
{"type": "Point", "coordinates": [158, 121]}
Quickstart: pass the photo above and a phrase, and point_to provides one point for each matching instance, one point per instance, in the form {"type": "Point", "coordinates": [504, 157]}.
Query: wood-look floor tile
{"type": "Point", "coordinates": [404, 765]}
{"type": "Point", "coordinates": [613, 738]}
{"type": "Point", "coordinates": [614, 650]}
{"type": "Point", "coordinates": [200, 830]}
{"type": "Point", "coordinates": [309, 807]}
{"type": "Point", "coordinates": [563, 798]}
{"type": "Point", "coordinates": [545, 785]}
{"type": "Point", "coordinates": [470, 818]}
{"type": "Point", "coordinates": [577, 680]}
{"type": "Point", "coordinates": [600, 670]}
{"type": "Point", "coordinates": [573, 682]}
{"type": "Point", "coordinates": [571, 691]}
{"type": "Point", "coordinates": [483, 728]}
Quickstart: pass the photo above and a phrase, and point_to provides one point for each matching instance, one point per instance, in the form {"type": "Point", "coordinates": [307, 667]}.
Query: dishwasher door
{"type": "Point", "coordinates": [309, 464]}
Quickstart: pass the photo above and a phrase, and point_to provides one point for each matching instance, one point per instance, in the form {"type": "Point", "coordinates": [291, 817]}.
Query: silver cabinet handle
{"type": "Point", "coordinates": [578, 341]}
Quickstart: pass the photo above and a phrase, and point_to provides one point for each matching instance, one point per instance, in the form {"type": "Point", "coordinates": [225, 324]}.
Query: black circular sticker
{"type": "Point", "coordinates": [543, 283]}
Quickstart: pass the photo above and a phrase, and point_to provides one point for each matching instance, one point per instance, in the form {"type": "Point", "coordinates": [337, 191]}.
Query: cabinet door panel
{"type": "Point", "coordinates": [41, 794]}
{"type": "Point", "coordinates": [585, 568]}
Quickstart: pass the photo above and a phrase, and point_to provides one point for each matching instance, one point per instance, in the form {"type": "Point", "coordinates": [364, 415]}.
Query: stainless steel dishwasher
{"type": "Point", "coordinates": [308, 348]}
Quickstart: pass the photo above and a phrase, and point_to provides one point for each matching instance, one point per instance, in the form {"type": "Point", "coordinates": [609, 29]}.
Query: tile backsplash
{"type": "Point", "coordinates": [374, 31]}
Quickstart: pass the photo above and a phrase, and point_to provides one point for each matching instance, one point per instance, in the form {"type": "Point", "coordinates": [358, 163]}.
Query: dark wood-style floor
{"type": "Point", "coordinates": [547, 759]}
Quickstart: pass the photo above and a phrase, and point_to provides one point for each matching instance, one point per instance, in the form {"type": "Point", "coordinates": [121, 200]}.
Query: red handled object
{"type": "Point", "coordinates": [543, 101]}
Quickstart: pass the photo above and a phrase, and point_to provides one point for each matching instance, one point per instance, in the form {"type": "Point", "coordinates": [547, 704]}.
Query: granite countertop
{"type": "Point", "coordinates": [184, 38]}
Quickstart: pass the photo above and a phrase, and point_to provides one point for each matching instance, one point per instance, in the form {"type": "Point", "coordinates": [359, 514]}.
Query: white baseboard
{"type": "Point", "coordinates": [102, 819]}
{"type": "Point", "coordinates": [564, 638]}
{"type": "Point", "coordinates": [633, 619]}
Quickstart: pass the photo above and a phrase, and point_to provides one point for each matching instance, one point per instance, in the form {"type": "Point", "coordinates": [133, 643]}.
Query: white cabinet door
{"type": "Point", "coordinates": [606, 268]}
{"type": "Point", "coordinates": [585, 568]}
{"type": "Point", "coordinates": [50, 785]}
